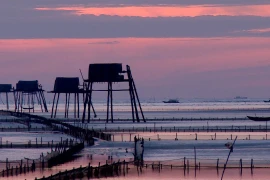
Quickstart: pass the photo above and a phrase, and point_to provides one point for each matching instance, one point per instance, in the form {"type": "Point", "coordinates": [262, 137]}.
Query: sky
{"type": "Point", "coordinates": [175, 48]}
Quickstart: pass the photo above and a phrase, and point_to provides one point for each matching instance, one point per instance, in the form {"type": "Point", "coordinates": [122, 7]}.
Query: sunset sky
{"type": "Point", "coordinates": [176, 48]}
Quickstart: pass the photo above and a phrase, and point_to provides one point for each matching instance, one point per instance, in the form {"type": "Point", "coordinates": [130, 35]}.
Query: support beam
{"type": "Point", "coordinates": [137, 96]}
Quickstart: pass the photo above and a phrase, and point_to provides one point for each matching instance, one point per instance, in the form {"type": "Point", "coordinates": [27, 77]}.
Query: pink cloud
{"type": "Point", "coordinates": [167, 11]}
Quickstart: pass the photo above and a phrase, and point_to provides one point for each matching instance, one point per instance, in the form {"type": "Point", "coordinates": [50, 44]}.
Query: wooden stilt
{"type": "Point", "coordinates": [90, 101]}
{"type": "Point", "coordinates": [43, 100]}
{"type": "Point", "coordinates": [111, 101]}
{"type": "Point", "coordinates": [58, 94]}
{"type": "Point", "coordinates": [85, 102]}
{"type": "Point", "coordinates": [68, 104]}
{"type": "Point", "coordinates": [53, 105]}
{"type": "Point", "coordinates": [22, 101]}
{"type": "Point", "coordinates": [75, 99]}
{"type": "Point", "coordinates": [131, 102]}
{"type": "Point", "coordinates": [89, 104]}
{"type": "Point", "coordinates": [78, 104]}
{"type": "Point", "coordinates": [108, 103]}
{"type": "Point", "coordinates": [28, 102]}
{"type": "Point", "coordinates": [7, 101]}
{"type": "Point", "coordinates": [15, 100]}
{"type": "Point", "coordinates": [137, 96]}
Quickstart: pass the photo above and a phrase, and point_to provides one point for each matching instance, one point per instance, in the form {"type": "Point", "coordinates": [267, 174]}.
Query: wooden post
{"type": "Point", "coordinates": [88, 171]}
{"type": "Point", "coordinates": [217, 163]}
{"type": "Point", "coordinates": [195, 157]}
{"type": "Point", "coordinates": [241, 166]}
{"type": "Point", "coordinates": [98, 168]}
{"type": "Point", "coordinates": [6, 163]}
{"type": "Point", "coordinates": [231, 149]}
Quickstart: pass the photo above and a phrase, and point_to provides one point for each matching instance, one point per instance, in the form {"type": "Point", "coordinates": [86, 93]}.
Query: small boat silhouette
{"type": "Point", "coordinates": [171, 101]}
{"type": "Point", "coordinates": [259, 118]}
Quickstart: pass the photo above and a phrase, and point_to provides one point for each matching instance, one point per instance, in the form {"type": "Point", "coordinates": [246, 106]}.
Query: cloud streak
{"type": "Point", "coordinates": [167, 11]}
{"type": "Point", "coordinates": [263, 30]}
{"type": "Point", "coordinates": [133, 18]}
{"type": "Point", "coordinates": [105, 42]}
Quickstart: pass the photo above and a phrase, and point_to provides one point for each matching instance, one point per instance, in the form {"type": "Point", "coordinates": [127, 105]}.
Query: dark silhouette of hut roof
{"type": "Point", "coordinates": [28, 86]}
{"type": "Point", "coordinates": [5, 87]}
{"type": "Point", "coordinates": [66, 85]}
{"type": "Point", "coordinates": [105, 72]}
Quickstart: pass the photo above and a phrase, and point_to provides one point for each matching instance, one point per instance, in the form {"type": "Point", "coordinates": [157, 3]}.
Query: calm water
{"type": "Point", "coordinates": [195, 108]}
{"type": "Point", "coordinates": [166, 151]}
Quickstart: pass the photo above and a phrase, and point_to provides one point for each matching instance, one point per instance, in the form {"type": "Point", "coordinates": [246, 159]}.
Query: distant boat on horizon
{"type": "Point", "coordinates": [267, 101]}
{"type": "Point", "coordinates": [171, 101]}
{"type": "Point", "coordinates": [240, 97]}
{"type": "Point", "coordinates": [258, 118]}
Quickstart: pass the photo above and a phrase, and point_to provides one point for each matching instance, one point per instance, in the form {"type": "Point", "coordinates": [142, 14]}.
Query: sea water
{"type": "Point", "coordinates": [171, 151]}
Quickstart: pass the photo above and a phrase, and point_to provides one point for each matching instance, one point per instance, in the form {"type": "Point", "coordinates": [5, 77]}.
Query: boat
{"type": "Point", "coordinates": [240, 97]}
{"type": "Point", "coordinates": [267, 101]}
{"type": "Point", "coordinates": [259, 118]}
{"type": "Point", "coordinates": [171, 101]}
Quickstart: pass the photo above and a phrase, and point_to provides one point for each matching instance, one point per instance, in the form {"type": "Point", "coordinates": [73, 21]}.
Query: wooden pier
{"type": "Point", "coordinates": [75, 131]}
